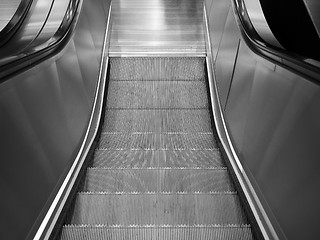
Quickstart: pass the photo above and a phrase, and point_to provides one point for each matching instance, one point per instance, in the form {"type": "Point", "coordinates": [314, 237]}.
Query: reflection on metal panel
{"type": "Point", "coordinates": [157, 26]}
{"type": "Point", "coordinates": [217, 19]}
{"type": "Point", "coordinates": [53, 22]}
{"type": "Point", "coordinates": [44, 114]}
{"type": "Point", "coordinates": [7, 10]}
{"type": "Point", "coordinates": [313, 7]}
{"type": "Point", "coordinates": [272, 116]}
{"type": "Point", "coordinates": [226, 57]}
{"type": "Point", "coordinates": [259, 22]}
{"type": "Point", "coordinates": [30, 28]}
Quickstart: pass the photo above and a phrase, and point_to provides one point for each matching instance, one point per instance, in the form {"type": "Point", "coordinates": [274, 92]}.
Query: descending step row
{"type": "Point", "coordinates": [157, 94]}
{"type": "Point", "coordinates": [157, 69]}
{"type": "Point", "coordinates": [157, 172]}
{"type": "Point", "coordinates": [152, 232]}
{"type": "Point", "coordinates": [158, 159]}
{"type": "Point", "coordinates": [157, 180]}
{"type": "Point", "coordinates": [157, 120]}
{"type": "Point", "coordinates": [152, 141]}
{"type": "Point", "coordinates": [157, 209]}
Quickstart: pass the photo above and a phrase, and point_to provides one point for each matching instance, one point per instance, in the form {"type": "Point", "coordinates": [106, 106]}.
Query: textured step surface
{"type": "Point", "coordinates": [110, 141]}
{"type": "Point", "coordinates": [157, 172]}
{"type": "Point", "coordinates": [158, 209]}
{"type": "Point", "coordinates": [157, 120]}
{"type": "Point", "coordinates": [157, 69]}
{"type": "Point", "coordinates": [216, 232]}
{"type": "Point", "coordinates": [158, 158]}
{"type": "Point", "coordinates": [157, 180]}
{"type": "Point", "coordinates": [157, 94]}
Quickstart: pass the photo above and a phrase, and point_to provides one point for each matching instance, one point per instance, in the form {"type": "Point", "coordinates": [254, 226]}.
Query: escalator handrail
{"type": "Point", "coordinates": [39, 53]}
{"type": "Point", "coordinates": [308, 68]}
{"type": "Point", "coordinates": [15, 22]}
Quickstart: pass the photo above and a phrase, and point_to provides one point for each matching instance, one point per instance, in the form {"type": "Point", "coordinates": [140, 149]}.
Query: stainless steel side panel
{"type": "Point", "coordinates": [273, 118]}
{"type": "Point", "coordinates": [30, 28]}
{"type": "Point", "coordinates": [53, 22]}
{"type": "Point", "coordinates": [7, 11]}
{"type": "Point", "coordinates": [313, 7]}
{"type": "Point", "coordinates": [44, 113]}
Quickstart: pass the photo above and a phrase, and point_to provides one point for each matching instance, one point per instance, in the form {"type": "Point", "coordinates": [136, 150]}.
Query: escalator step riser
{"type": "Point", "coordinates": [157, 94]}
{"type": "Point", "coordinates": [158, 180]}
{"type": "Point", "coordinates": [157, 158]}
{"type": "Point", "coordinates": [157, 209]}
{"type": "Point", "coordinates": [157, 141]}
{"type": "Point", "coordinates": [159, 69]}
{"type": "Point", "coordinates": [119, 120]}
{"type": "Point", "coordinates": [156, 233]}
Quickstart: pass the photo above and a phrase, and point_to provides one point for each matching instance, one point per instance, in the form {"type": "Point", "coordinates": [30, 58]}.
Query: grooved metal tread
{"type": "Point", "coordinates": [154, 232]}
{"type": "Point", "coordinates": [157, 180]}
{"type": "Point", "coordinates": [157, 120]}
{"type": "Point", "coordinates": [158, 158]}
{"type": "Point", "coordinates": [157, 94]}
{"type": "Point", "coordinates": [158, 209]}
{"type": "Point", "coordinates": [157, 172]}
{"type": "Point", "coordinates": [157, 69]}
{"type": "Point", "coordinates": [152, 141]}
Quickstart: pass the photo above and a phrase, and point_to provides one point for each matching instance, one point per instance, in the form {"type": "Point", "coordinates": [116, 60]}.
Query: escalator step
{"type": "Point", "coordinates": [232, 232]}
{"type": "Point", "coordinates": [129, 141]}
{"type": "Point", "coordinates": [157, 120]}
{"type": "Point", "coordinates": [157, 180]}
{"type": "Point", "coordinates": [191, 158]}
{"type": "Point", "coordinates": [110, 141]}
{"type": "Point", "coordinates": [159, 69]}
{"type": "Point", "coordinates": [126, 158]}
{"type": "Point", "coordinates": [158, 209]}
{"type": "Point", "coordinates": [188, 141]}
{"type": "Point", "coordinates": [157, 94]}
{"type": "Point", "coordinates": [158, 158]}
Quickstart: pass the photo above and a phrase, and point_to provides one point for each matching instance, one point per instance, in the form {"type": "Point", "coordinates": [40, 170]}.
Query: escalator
{"type": "Point", "coordinates": [165, 119]}
{"type": "Point", "coordinates": [157, 171]}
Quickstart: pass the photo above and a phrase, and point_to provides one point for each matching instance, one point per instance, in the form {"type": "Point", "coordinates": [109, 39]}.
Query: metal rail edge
{"type": "Point", "coordinates": [56, 208]}
{"type": "Point", "coordinates": [53, 46]}
{"type": "Point", "coordinates": [305, 67]}
{"type": "Point", "coordinates": [258, 211]}
{"type": "Point", "coordinates": [15, 22]}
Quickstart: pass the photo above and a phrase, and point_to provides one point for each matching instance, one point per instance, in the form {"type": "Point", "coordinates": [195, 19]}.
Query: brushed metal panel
{"type": "Point", "coordinates": [153, 26]}
{"type": "Point", "coordinates": [44, 113]}
{"type": "Point", "coordinates": [273, 118]}
{"type": "Point", "coordinates": [217, 19]}
{"type": "Point", "coordinates": [226, 57]}
{"type": "Point", "coordinates": [30, 28]}
{"type": "Point", "coordinates": [7, 11]}
{"type": "Point", "coordinates": [240, 95]}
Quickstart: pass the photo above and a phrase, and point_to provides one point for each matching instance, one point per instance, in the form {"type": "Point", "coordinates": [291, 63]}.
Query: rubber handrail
{"type": "Point", "coordinates": [15, 22]}
{"type": "Point", "coordinates": [308, 68]}
{"type": "Point", "coordinates": [32, 56]}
